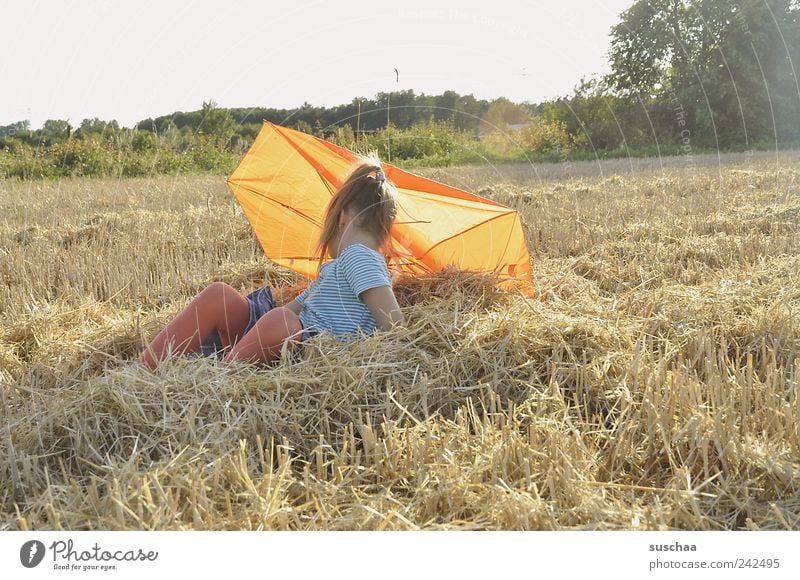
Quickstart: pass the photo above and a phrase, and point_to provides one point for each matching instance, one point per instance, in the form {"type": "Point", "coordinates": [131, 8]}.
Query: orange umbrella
{"type": "Point", "coordinates": [285, 180]}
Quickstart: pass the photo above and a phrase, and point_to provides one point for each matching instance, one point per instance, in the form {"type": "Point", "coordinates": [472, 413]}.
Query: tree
{"type": "Point", "coordinates": [303, 126]}
{"type": "Point", "coordinates": [595, 118]}
{"type": "Point", "coordinates": [216, 122]}
{"type": "Point", "coordinates": [15, 128]}
{"type": "Point", "coordinates": [95, 126]}
{"type": "Point", "coordinates": [714, 71]}
{"type": "Point", "coordinates": [56, 129]}
{"type": "Point", "coordinates": [502, 113]}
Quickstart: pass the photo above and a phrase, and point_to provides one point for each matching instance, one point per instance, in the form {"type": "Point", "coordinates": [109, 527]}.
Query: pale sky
{"type": "Point", "coordinates": [129, 60]}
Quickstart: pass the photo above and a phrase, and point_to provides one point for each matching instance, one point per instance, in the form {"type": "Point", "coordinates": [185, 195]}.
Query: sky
{"type": "Point", "coordinates": [130, 60]}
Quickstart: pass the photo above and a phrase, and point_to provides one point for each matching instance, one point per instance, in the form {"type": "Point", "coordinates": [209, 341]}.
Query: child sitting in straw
{"type": "Point", "coordinates": [353, 291]}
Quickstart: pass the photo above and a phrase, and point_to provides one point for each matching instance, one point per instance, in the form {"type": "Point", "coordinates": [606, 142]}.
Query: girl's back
{"type": "Point", "coordinates": [331, 303]}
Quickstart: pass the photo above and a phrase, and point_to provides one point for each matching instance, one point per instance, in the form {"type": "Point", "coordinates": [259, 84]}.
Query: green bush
{"type": "Point", "coordinates": [143, 141]}
{"type": "Point", "coordinates": [545, 137]}
{"type": "Point", "coordinates": [429, 140]}
{"type": "Point", "coordinates": [205, 155]}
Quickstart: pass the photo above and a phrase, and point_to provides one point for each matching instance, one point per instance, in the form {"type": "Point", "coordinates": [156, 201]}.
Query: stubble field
{"type": "Point", "coordinates": [651, 384]}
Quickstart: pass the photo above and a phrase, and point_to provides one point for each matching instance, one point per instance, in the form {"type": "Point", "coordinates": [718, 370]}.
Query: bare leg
{"type": "Point", "coordinates": [264, 341]}
{"type": "Point", "coordinates": [218, 307]}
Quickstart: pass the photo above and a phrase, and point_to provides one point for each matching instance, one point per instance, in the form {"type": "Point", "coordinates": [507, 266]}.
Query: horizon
{"type": "Point", "coordinates": [86, 66]}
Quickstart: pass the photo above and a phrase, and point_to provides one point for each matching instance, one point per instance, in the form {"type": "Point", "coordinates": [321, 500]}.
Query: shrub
{"type": "Point", "coordinates": [540, 137]}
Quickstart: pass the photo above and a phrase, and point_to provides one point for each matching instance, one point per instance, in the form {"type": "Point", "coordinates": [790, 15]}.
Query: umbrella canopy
{"type": "Point", "coordinates": [285, 180]}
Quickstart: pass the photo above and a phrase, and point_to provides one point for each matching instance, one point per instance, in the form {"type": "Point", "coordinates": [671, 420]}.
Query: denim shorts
{"type": "Point", "coordinates": [261, 302]}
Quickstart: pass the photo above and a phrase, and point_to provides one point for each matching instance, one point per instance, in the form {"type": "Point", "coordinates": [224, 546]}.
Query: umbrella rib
{"type": "Point", "coordinates": [508, 239]}
{"type": "Point", "coordinates": [324, 174]}
{"type": "Point", "coordinates": [427, 182]}
{"type": "Point", "coordinates": [260, 194]}
{"type": "Point", "coordinates": [463, 232]}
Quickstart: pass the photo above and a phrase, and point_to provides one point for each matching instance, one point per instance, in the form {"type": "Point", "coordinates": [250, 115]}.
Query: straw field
{"type": "Point", "coordinates": [651, 384]}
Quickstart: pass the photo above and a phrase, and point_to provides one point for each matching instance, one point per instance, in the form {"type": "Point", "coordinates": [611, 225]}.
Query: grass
{"type": "Point", "coordinates": [652, 384]}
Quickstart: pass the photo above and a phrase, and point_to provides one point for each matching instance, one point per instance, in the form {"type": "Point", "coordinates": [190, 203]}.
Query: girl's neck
{"type": "Point", "coordinates": [356, 236]}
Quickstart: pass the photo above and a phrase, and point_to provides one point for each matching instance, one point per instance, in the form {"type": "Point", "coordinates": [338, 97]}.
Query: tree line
{"type": "Point", "coordinates": [686, 76]}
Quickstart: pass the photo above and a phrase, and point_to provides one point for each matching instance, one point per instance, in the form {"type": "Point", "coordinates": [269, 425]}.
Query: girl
{"type": "Point", "coordinates": [351, 292]}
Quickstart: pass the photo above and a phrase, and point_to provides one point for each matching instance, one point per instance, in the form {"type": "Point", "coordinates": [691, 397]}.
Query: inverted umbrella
{"type": "Point", "coordinates": [285, 180]}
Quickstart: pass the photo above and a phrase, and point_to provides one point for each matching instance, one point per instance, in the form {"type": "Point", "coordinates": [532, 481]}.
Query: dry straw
{"type": "Point", "coordinates": [651, 384]}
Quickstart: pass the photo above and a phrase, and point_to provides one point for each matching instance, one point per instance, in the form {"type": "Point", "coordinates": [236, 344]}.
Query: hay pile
{"type": "Point", "coordinates": [652, 384]}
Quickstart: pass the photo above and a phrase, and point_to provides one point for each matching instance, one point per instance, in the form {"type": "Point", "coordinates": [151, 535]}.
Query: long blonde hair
{"type": "Point", "coordinates": [373, 201]}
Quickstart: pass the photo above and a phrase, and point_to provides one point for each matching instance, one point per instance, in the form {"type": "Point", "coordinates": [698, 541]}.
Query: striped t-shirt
{"type": "Point", "coordinates": [332, 303]}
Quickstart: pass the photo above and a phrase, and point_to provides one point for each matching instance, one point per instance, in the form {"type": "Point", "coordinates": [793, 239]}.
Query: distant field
{"type": "Point", "coordinates": [651, 384]}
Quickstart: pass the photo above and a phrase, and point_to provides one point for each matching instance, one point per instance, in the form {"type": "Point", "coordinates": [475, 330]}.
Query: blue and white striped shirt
{"type": "Point", "coordinates": [332, 303]}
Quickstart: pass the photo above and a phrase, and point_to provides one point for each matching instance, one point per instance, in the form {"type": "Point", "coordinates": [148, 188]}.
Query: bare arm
{"type": "Point", "coordinates": [383, 305]}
